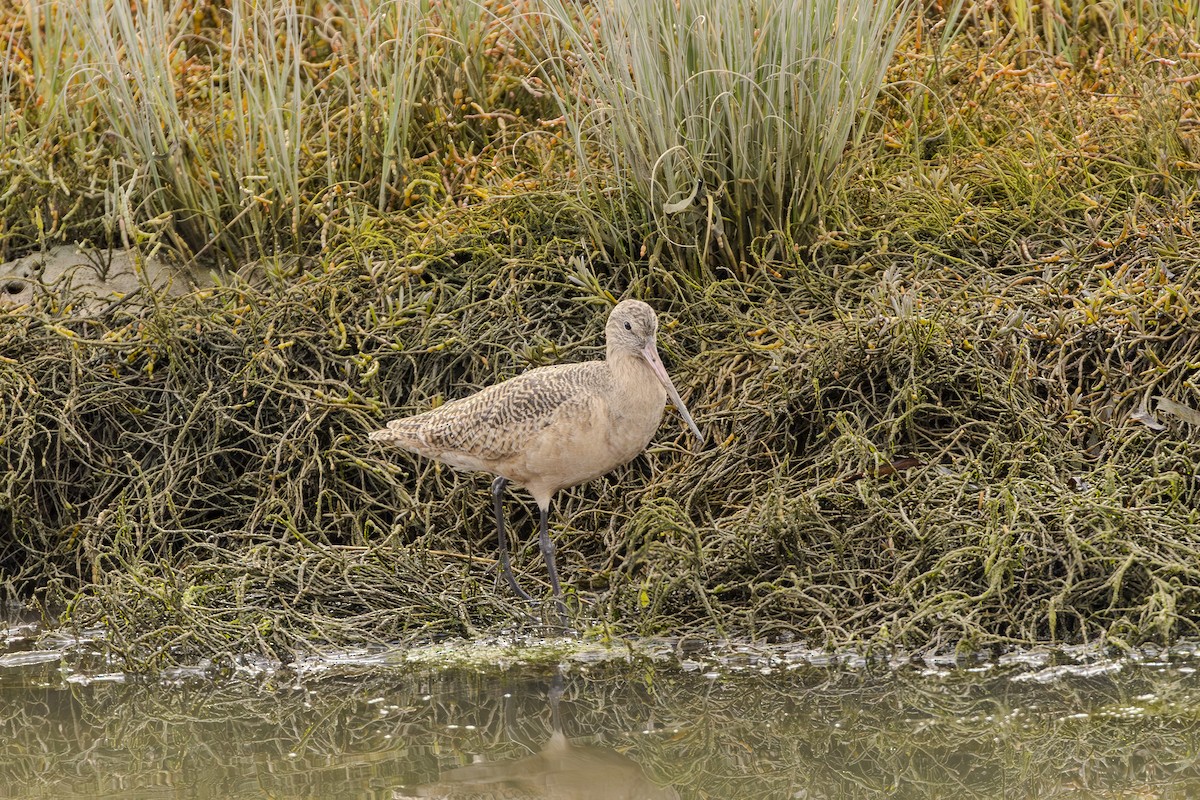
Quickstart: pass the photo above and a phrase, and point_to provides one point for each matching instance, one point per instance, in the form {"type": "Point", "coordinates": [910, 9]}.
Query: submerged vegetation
{"type": "Point", "coordinates": [928, 278]}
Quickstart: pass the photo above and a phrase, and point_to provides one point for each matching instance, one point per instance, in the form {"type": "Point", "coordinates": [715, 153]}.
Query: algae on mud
{"type": "Point", "coordinates": [1001, 285]}
{"type": "Point", "coordinates": [198, 479]}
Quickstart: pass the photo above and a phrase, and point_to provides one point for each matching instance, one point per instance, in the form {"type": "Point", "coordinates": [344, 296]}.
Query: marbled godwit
{"type": "Point", "coordinates": [553, 427]}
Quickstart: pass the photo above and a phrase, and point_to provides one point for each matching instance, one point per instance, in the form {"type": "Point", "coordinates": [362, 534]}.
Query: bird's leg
{"type": "Point", "coordinates": [555, 696]}
{"type": "Point", "coordinates": [498, 498]}
{"type": "Point", "coordinates": [547, 547]}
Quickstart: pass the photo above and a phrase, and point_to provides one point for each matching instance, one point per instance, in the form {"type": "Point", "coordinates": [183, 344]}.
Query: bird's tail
{"type": "Point", "coordinates": [397, 434]}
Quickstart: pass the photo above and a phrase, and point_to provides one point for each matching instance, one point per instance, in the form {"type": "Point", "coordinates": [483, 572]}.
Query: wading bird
{"type": "Point", "coordinates": [553, 427]}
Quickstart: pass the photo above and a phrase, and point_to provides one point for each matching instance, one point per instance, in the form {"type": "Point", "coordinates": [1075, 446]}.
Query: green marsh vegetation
{"type": "Point", "coordinates": [928, 276]}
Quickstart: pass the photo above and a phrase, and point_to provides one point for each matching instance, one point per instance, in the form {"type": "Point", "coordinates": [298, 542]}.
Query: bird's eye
{"type": "Point", "coordinates": [628, 327]}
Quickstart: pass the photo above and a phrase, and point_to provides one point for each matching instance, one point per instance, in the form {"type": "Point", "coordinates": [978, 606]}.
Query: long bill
{"type": "Point", "coordinates": [650, 353]}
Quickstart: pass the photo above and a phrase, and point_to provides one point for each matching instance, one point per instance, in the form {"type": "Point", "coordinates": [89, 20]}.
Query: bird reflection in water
{"type": "Point", "coordinates": [560, 771]}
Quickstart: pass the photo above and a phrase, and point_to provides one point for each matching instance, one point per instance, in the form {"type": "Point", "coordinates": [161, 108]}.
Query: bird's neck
{"type": "Point", "coordinates": [632, 375]}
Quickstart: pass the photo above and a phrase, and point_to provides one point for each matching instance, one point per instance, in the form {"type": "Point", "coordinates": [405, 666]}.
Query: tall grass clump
{"type": "Point", "coordinates": [299, 108]}
{"type": "Point", "coordinates": [244, 127]}
{"type": "Point", "coordinates": [48, 160]}
{"type": "Point", "coordinates": [720, 121]}
{"type": "Point", "coordinates": [133, 60]}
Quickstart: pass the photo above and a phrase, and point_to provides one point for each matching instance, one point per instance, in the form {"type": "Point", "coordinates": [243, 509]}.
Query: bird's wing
{"type": "Point", "coordinates": [499, 421]}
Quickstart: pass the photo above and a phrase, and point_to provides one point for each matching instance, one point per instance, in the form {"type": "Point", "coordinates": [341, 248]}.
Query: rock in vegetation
{"type": "Point", "coordinates": [96, 278]}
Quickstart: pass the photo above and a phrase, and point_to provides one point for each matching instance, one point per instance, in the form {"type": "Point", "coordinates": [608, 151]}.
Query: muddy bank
{"type": "Point", "coordinates": [96, 279]}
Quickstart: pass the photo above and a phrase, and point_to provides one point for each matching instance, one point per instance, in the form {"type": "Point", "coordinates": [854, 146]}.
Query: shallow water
{"type": "Point", "coordinates": [727, 722]}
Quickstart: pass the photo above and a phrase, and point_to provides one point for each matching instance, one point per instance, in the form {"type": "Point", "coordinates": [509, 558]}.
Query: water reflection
{"type": "Point", "coordinates": [729, 725]}
{"type": "Point", "coordinates": [561, 770]}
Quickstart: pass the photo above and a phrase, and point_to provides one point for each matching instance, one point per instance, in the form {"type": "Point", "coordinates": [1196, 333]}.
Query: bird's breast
{"type": "Point", "coordinates": [632, 420]}
{"type": "Point", "coordinates": [611, 428]}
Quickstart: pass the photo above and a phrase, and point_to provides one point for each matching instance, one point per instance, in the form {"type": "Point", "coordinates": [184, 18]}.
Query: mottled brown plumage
{"type": "Point", "coordinates": [481, 431]}
{"type": "Point", "coordinates": [553, 427]}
